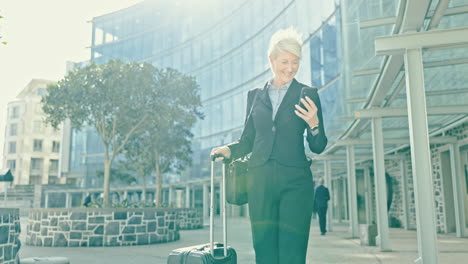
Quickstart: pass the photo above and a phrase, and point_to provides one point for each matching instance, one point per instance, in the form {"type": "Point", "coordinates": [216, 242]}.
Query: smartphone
{"type": "Point", "coordinates": [309, 92]}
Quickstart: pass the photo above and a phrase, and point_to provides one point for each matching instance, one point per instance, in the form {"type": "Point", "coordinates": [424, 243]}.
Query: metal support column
{"type": "Point", "coordinates": [179, 198]}
{"type": "Point", "coordinates": [339, 200]}
{"type": "Point", "coordinates": [380, 184]}
{"type": "Point", "coordinates": [368, 186]}
{"type": "Point", "coordinates": [328, 184]}
{"type": "Point", "coordinates": [5, 191]}
{"type": "Point", "coordinates": [67, 200]}
{"type": "Point", "coordinates": [192, 199]}
{"type": "Point", "coordinates": [352, 198]}
{"type": "Point", "coordinates": [46, 202]}
{"type": "Point", "coordinates": [404, 194]}
{"type": "Point", "coordinates": [187, 196]}
{"type": "Point", "coordinates": [345, 203]}
{"type": "Point", "coordinates": [206, 200]}
{"type": "Point", "coordinates": [458, 196]}
{"type": "Point", "coordinates": [171, 196]}
{"type": "Point", "coordinates": [93, 43]}
{"type": "Point", "coordinates": [421, 158]}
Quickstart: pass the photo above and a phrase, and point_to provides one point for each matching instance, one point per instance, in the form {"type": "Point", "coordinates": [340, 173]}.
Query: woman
{"type": "Point", "coordinates": [280, 180]}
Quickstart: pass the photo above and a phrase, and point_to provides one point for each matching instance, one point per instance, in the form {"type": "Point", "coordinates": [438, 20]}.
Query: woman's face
{"type": "Point", "coordinates": [284, 66]}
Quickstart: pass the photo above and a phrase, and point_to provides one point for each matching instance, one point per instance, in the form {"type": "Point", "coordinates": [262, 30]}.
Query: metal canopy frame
{"type": "Point", "coordinates": [410, 19]}
{"type": "Point", "coordinates": [410, 45]}
{"type": "Point", "coordinates": [399, 112]}
{"type": "Point", "coordinates": [436, 38]}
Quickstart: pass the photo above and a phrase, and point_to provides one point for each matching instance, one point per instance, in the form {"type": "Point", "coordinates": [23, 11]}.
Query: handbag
{"type": "Point", "coordinates": [237, 175]}
{"type": "Point", "coordinates": [236, 181]}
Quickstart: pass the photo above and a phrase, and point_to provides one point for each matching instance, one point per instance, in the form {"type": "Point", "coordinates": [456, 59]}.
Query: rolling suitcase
{"type": "Point", "coordinates": [212, 253]}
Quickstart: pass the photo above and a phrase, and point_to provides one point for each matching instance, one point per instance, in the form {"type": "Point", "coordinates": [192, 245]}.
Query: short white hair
{"type": "Point", "coordinates": [285, 40]}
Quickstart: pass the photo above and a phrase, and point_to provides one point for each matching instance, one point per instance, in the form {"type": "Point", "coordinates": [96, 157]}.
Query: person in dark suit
{"type": "Point", "coordinates": [321, 198]}
{"type": "Point", "coordinates": [280, 180]}
{"type": "Point", "coordinates": [87, 200]}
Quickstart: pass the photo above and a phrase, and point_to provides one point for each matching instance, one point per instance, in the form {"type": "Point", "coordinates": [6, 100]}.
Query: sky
{"type": "Point", "coordinates": [42, 36]}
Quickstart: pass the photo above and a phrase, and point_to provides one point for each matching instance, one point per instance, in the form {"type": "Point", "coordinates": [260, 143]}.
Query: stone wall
{"type": "Point", "coordinates": [461, 132]}
{"type": "Point", "coordinates": [95, 227]}
{"type": "Point", "coordinates": [392, 167]}
{"type": "Point", "coordinates": [9, 235]}
{"type": "Point", "coordinates": [396, 210]}
{"type": "Point", "coordinates": [190, 218]}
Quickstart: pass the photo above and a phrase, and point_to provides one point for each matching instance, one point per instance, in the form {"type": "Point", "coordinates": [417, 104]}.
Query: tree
{"type": "Point", "coordinates": [120, 176]}
{"type": "Point", "coordinates": [165, 144]}
{"type": "Point", "coordinates": [138, 158]}
{"type": "Point", "coordinates": [3, 42]}
{"type": "Point", "coordinates": [114, 98]}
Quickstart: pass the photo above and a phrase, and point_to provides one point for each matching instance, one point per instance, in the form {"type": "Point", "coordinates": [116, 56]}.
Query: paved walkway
{"type": "Point", "coordinates": [335, 247]}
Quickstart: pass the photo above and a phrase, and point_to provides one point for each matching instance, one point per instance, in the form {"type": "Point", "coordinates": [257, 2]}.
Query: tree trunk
{"type": "Point", "coordinates": [157, 194]}
{"type": "Point", "coordinates": [107, 167]}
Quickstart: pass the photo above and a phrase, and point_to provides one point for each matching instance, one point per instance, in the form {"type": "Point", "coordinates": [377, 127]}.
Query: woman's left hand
{"type": "Point", "coordinates": [309, 115]}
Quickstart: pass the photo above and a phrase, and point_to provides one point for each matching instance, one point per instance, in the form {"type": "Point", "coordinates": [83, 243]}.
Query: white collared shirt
{"type": "Point", "coordinates": [276, 95]}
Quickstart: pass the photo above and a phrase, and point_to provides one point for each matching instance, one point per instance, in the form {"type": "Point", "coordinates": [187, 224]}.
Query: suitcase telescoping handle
{"type": "Point", "coordinates": [223, 204]}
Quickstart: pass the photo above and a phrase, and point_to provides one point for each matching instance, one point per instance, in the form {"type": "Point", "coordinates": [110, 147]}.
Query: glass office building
{"type": "Point", "coordinates": [224, 44]}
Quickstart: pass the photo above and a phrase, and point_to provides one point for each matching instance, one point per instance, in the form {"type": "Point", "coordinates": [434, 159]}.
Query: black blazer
{"type": "Point", "coordinates": [321, 197]}
{"type": "Point", "coordinates": [281, 138]}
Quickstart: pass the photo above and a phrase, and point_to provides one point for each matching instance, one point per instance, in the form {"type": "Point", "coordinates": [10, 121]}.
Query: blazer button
{"type": "Point", "coordinates": [273, 129]}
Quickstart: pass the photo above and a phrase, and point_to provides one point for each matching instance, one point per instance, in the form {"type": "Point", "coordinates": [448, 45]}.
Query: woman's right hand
{"type": "Point", "coordinates": [223, 150]}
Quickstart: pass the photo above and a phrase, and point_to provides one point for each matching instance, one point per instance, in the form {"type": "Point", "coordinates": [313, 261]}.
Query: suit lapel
{"type": "Point", "coordinates": [265, 98]}
{"type": "Point", "coordinates": [291, 97]}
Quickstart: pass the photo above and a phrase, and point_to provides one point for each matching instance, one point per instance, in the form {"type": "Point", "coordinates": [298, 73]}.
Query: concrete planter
{"type": "Point", "coordinates": [190, 218]}
{"type": "Point", "coordinates": [96, 227]}
{"type": "Point", "coordinates": [9, 235]}
{"type": "Point", "coordinates": [368, 234]}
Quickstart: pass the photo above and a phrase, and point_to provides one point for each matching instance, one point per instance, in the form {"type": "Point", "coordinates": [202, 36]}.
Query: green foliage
{"type": "Point", "coordinates": [168, 136]}
{"type": "Point", "coordinates": [145, 111]}
{"type": "Point", "coordinates": [115, 98]}
{"type": "Point", "coordinates": [119, 176]}
{"type": "Point", "coordinates": [112, 97]}
{"type": "Point", "coordinates": [3, 42]}
{"type": "Point", "coordinates": [165, 144]}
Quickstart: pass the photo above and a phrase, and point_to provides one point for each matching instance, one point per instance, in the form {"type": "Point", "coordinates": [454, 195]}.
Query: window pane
{"type": "Point", "coordinates": [36, 165]}
{"type": "Point", "coordinates": [11, 164]}
{"type": "Point", "coordinates": [37, 145]}
{"type": "Point", "coordinates": [35, 179]}
{"type": "Point", "coordinates": [53, 179]}
{"type": "Point", "coordinates": [14, 112]}
{"type": "Point", "coordinates": [53, 168]}
{"type": "Point", "coordinates": [55, 146]}
{"type": "Point", "coordinates": [37, 126]}
{"type": "Point", "coordinates": [13, 129]}
{"type": "Point", "coordinates": [316, 61]}
{"type": "Point", "coordinates": [12, 148]}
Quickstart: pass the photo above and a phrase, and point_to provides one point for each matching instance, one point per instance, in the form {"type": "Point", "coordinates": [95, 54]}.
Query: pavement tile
{"type": "Point", "coordinates": [335, 247]}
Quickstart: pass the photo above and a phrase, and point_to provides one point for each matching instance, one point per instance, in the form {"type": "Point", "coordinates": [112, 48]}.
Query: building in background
{"type": "Point", "coordinates": [224, 44]}
{"type": "Point", "coordinates": [31, 149]}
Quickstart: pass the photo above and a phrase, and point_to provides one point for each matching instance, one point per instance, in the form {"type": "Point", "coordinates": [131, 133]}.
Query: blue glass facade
{"type": "Point", "coordinates": [224, 44]}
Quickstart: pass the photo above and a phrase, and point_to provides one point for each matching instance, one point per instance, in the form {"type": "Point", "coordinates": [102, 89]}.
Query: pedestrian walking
{"type": "Point", "coordinates": [280, 181]}
{"type": "Point", "coordinates": [87, 200]}
{"type": "Point", "coordinates": [321, 198]}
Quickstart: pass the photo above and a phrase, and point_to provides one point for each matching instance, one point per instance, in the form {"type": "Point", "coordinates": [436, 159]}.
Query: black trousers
{"type": "Point", "coordinates": [322, 216]}
{"type": "Point", "coordinates": [280, 208]}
